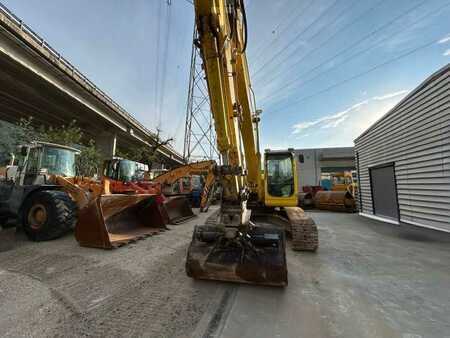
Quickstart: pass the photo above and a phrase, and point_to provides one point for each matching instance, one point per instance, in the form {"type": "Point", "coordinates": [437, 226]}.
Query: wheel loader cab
{"type": "Point", "coordinates": [42, 159]}
{"type": "Point", "coordinates": [124, 170]}
{"type": "Point", "coordinates": [280, 179]}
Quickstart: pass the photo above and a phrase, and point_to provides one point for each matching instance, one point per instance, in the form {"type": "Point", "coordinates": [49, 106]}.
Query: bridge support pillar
{"type": "Point", "coordinates": [106, 144]}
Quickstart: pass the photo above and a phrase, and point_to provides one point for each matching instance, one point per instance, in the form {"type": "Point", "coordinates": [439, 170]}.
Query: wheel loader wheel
{"type": "Point", "coordinates": [48, 214]}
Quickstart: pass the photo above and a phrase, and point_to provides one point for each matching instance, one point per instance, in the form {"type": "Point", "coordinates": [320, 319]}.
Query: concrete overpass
{"type": "Point", "coordinates": [35, 80]}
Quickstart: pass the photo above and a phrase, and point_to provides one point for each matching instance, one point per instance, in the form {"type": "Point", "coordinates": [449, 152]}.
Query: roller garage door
{"type": "Point", "coordinates": [384, 191]}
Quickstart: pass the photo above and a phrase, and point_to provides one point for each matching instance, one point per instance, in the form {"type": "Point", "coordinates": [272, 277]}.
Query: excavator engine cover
{"type": "Point", "coordinates": [178, 209]}
{"type": "Point", "coordinates": [258, 258]}
{"type": "Point", "coordinates": [335, 201]}
{"type": "Point", "coordinates": [110, 221]}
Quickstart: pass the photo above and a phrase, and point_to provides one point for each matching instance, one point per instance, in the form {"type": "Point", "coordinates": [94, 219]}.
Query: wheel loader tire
{"type": "Point", "coordinates": [48, 214]}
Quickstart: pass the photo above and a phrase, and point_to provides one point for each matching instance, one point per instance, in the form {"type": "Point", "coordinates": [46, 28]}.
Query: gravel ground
{"type": "Point", "coordinates": [60, 289]}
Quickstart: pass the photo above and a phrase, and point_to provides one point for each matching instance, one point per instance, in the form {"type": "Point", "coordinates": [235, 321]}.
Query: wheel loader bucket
{"type": "Point", "coordinates": [178, 209]}
{"type": "Point", "coordinates": [110, 221]}
{"type": "Point", "coordinates": [263, 261]}
{"type": "Point", "coordinates": [335, 201]}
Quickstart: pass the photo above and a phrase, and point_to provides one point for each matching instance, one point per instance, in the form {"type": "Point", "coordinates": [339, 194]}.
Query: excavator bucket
{"type": "Point", "coordinates": [335, 201]}
{"type": "Point", "coordinates": [178, 209]}
{"type": "Point", "coordinates": [258, 258]}
{"type": "Point", "coordinates": [110, 221]}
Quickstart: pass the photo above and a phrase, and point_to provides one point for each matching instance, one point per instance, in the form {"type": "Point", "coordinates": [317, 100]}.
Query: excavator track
{"type": "Point", "coordinates": [303, 229]}
{"type": "Point", "coordinates": [300, 227]}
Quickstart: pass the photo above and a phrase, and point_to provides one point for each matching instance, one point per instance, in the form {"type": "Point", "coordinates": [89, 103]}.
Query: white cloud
{"type": "Point", "coordinates": [444, 40]}
{"type": "Point", "coordinates": [336, 119]}
{"type": "Point", "coordinates": [390, 95]}
{"type": "Point", "coordinates": [446, 53]}
{"type": "Point", "coordinates": [328, 121]}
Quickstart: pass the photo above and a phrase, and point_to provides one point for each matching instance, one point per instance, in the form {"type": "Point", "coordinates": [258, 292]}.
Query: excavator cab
{"type": "Point", "coordinates": [281, 188]}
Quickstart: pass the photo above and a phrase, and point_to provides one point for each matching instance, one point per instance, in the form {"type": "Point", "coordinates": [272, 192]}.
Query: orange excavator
{"type": "Point", "coordinates": [172, 181]}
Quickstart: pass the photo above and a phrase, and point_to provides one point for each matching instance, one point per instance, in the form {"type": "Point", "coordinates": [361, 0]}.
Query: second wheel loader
{"type": "Point", "coordinates": [128, 177]}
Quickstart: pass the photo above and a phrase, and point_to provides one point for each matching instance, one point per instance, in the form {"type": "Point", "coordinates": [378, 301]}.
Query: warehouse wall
{"type": "Point", "coordinates": [315, 161]}
{"type": "Point", "coordinates": [416, 136]}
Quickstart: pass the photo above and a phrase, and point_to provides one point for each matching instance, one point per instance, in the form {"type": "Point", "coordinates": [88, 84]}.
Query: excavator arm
{"type": "Point", "coordinates": [230, 247]}
{"type": "Point", "coordinates": [203, 168]}
{"type": "Point", "coordinates": [222, 39]}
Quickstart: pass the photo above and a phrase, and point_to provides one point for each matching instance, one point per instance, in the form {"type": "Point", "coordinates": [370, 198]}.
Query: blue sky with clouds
{"type": "Point", "coordinates": [323, 71]}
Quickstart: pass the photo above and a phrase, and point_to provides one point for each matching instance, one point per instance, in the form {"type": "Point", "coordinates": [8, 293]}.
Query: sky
{"type": "Point", "coordinates": [322, 70]}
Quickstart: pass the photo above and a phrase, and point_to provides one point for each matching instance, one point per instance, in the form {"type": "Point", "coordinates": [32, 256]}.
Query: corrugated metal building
{"type": "Point", "coordinates": [403, 160]}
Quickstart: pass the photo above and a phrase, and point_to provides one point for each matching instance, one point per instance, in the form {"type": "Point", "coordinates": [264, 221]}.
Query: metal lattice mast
{"type": "Point", "coordinates": [199, 134]}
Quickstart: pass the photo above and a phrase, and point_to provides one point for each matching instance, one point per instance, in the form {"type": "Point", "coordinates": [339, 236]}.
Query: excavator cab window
{"type": "Point", "coordinates": [280, 175]}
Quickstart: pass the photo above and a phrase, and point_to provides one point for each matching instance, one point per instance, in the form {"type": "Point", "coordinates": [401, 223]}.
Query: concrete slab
{"type": "Point", "coordinates": [368, 279]}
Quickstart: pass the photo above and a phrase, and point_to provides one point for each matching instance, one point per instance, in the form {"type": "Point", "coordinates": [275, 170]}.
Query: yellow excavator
{"type": "Point", "coordinates": [245, 241]}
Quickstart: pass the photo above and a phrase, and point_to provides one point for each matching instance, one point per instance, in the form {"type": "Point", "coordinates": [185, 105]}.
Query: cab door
{"type": "Point", "coordinates": [280, 180]}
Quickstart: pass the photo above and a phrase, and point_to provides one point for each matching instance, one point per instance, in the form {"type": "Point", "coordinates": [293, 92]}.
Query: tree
{"type": "Point", "coordinates": [89, 161]}
{"type": "Point", "coordinates": [7, 142]}
{"type": "Point", "coordinates": [147, 154]}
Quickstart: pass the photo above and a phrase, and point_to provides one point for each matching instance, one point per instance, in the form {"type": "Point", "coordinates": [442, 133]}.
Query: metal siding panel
{"type": "Point", "coordinates": [416, 136]}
